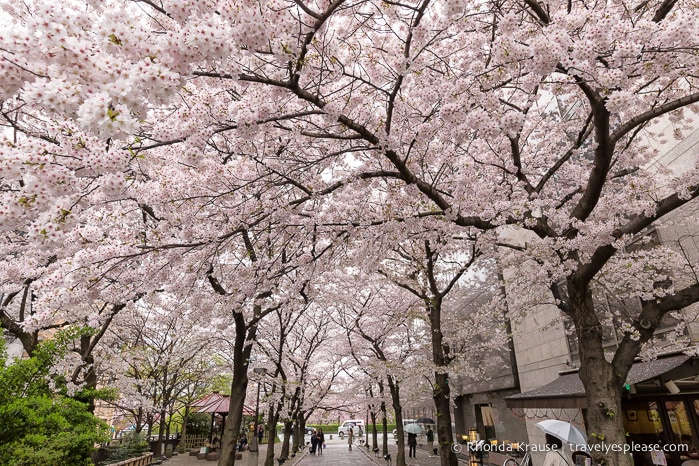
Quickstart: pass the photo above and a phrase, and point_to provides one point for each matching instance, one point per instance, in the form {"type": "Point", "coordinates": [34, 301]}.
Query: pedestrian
{"type": "Point", "coordinates": [260, 433]}
{"type": "Point", "coordinates": [314, 442]}
{"type": "Point", "coordinates": [243, 442]}
{"type": "Point", "coordinates": [412, 444]}
{"type": "Point", "coordinates": [321, 441]}
{"type": "Point", "coordinates": [350, 437]}
{"type": "Point", "coordinates": [430, 441]}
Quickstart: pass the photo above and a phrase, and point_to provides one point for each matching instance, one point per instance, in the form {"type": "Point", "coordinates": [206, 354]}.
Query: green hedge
{"type": "Point", "coordinates": [332, 428]}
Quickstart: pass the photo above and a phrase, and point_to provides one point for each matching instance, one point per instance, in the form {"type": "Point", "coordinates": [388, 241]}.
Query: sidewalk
{"type": "Point", "coordinates": [184, 459]}
{"type": "Point", "coordinates": [336, 454]}
{"type": "Point", "coordinates": [424, 457]}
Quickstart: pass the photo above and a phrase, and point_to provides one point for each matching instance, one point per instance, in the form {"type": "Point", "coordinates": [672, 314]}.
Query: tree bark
{"type": "Point", "coordinates": [239, 386]}
{"type": "Point", "coordinates": [395, 398]}
{"type": "Point", "coordinates": [161, 433]}
{"type": "Point", "coordinates": [384, 428]}
{"type": "Point", "coordinates": [288, 426]}
{"type": "Point", "coordinates": [233, 420]}
{"type": "Point", "coordinates": [441, 393]}
{"type": "Point", "coordinates": [442, 402]}
{"type": "Point", "coordinates": [374, 432]}
{"type": "Point", "coordinates": [603, 384]}
{"type": "Point", "coordinates": [183, 433]}
{"type": "Point", "coordinates": [272, 420]}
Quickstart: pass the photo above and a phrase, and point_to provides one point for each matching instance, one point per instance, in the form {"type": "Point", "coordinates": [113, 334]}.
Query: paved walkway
{"type": "Point", "coordinates": [184, 459]}
{"type": "Point", "coordinates": [336, 454]}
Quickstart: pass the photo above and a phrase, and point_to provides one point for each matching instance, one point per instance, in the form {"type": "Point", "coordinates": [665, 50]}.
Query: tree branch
{"type": "Point", "coordinates": [654, 113]}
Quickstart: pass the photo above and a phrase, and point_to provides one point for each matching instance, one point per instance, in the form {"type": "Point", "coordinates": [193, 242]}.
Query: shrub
{"type": "Point", "coordinates": [132, 445]}
{"type": "Point", "coordinates": [39, 426]}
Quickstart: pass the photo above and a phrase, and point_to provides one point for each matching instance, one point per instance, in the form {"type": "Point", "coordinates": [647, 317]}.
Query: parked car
{"type": "Point", "coordinates": [356, 424]}
{"type": "Point", "coordinates": [307, 431]}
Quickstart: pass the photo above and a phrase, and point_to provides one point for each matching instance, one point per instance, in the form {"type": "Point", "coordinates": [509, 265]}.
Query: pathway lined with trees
{"type": "Point", "coordinates": [240, 165]}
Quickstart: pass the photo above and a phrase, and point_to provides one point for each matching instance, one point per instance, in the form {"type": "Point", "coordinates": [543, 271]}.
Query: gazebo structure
{"type": "Point", "coordinates": [217, 404]}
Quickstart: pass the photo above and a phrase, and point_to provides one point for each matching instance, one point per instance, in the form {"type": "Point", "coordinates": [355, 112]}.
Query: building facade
{"type": "Point", "coordinates": [538, 379]}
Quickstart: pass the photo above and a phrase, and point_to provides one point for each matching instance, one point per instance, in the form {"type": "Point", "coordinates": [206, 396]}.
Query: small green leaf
{"type": "Point", "coordinates": [112, 114]}
{"type": "Point", "coordinates": [114, 39]}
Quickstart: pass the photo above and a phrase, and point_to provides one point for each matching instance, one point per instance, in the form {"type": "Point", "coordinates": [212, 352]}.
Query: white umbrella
{"type": "Point", "coordinates": [413, 428]}
{"type": "Point", "coordinates": [565, 431]}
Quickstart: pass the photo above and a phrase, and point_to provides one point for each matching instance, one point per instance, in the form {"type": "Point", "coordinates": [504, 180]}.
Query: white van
{"type": "Point", "coordinates": [357, 424]}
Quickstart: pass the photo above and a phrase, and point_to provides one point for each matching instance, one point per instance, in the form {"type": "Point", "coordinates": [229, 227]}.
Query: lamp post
{"type": "Point", "coordinates": [253, 444]}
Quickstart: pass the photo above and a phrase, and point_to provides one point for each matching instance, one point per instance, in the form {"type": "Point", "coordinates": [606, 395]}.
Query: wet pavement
{"type": "Point", "coordinates": [249, 459]}
{"type": "Point", "coordinates": [336, 454]}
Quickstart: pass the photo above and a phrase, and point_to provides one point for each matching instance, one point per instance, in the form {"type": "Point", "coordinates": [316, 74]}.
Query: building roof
{"type": "Point", "coordinates": [217, 403]}
{"type": "Point", "coordinates": [567, 390]}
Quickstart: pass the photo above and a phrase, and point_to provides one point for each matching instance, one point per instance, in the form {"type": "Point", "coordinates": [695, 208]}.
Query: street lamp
{"type": "Point", "coordinates": [259, 371]}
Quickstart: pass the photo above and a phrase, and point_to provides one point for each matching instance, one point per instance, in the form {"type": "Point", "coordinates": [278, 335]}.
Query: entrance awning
{"type": "Point", "coordinates": [567, 390]}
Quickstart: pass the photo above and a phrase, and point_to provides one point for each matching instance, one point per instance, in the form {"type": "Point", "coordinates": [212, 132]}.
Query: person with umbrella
{"type": "Point", "coordinates": [412, 444]}
{"type": "Point", "coordinates": [554, 456]}
{"type": "Point", "coordinates": [412, 430]}
{"type": "Point", "coordinates": [558, 435]}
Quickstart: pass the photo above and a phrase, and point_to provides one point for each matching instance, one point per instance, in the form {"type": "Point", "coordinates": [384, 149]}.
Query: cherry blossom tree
{"type": "Point", "coordinates": [420, 269]}
{"type": "Point", "coordinates": [430, 266]}
{"type": "Point", "coordinates": [122, 115]}
{"type": "Point", "coordinates": [381, 337]}
{"type": "Point", "coordinates": [294, 341]}
{"type": "Point", "coordinates": [149, 356]}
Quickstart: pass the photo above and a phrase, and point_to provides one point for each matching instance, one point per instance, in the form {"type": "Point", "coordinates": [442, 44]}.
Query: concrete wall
{"type": "Point", "coordinates": [680, 231]}
{"type": "Point", "coordinates": [508, 425]}
{"type": "Point", "coordinates": [538, 333]}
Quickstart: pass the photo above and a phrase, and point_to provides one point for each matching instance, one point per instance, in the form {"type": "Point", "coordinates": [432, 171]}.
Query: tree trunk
{"type": "Point", "coordinates": [288, 425]}
{"type": "Point", "coordinates": [239, 386]}
{"type": "Point", "coordinates": [233, 422]}
{"type": "Point", "coordinates": [603, 385]}
{"type": "Point", "coordinates": [138, 421]}
{"type": "Point", "coordinates": [395, 398]}
{"type": "Point", "coordinates": [301, 437]}
{"type": "Point", "coordinates": [384, 426]}
{"type": "Point", "coordinates": [183, 433]}
{"type": "Point", "coordinates": [300, 434]}
{"type": "Point", "coordinates": [374, 432]}
{"type": "Point", "coordinates": [442, 402]}
{"type": "Point", "coordinates": [273, 418]}
{"type": "Point", "coordinates": [161, 434]}
{"type": "Point", "coordinates": [441, 393]}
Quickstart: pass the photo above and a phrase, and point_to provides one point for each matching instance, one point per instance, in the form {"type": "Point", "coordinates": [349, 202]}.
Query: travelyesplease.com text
{"type": "Point", "coordinates": [482, 446]}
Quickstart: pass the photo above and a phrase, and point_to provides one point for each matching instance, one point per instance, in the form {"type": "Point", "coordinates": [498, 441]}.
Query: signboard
{"type": "Point", "coordinates": [658, 457]}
